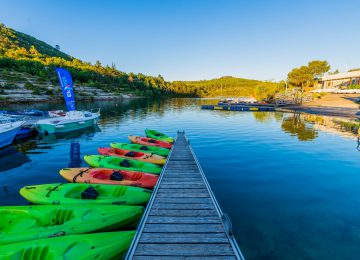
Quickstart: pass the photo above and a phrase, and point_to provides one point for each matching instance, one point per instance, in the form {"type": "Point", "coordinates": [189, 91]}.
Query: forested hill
{"type": "Point", "coordinates": [27, 65]}
{"type": "Point", "coordinates": [227, 86]}
{"type": "Point", "coordinates": [22, 53]}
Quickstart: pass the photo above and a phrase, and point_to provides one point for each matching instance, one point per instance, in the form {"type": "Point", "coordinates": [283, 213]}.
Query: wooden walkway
{"type": "Point", "coordinates": [183, 219]}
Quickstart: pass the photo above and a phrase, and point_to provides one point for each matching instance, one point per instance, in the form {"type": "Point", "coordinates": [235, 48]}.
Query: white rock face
{"type": "Point", "coordinates": [12, 89]}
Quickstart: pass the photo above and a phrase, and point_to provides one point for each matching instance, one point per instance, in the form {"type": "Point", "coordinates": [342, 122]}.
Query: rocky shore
{"type": "Point", "coordinates": [19, 87]}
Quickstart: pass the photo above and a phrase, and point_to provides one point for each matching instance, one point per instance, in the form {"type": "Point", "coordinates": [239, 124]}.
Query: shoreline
{"type": "Point", "coordinates": [52, 100]}
{"type": "Point", "coordinates": [325, 111]}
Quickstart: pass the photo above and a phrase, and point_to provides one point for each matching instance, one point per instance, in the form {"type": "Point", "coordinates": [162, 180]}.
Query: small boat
{"type": "Point", "coordinates": [82, 193]}
{"type": "Point", "coordinates": [107, 245]}
{"type": "Point", "coordinates": [46, 221]}
{"type": "Point", "coordinates": [8, 131]}
{"type": "Point", "coordinates": [119, 163]}
{"type": "Point", "coordinates": [141, 148]}
{"type": "Point", "coordinates": [149, 141]}
{"type": "Point", "coordinates": [140, 156]}
{"type": "Point", "coordinates": [109, 176]}
{"type": "Point", "coordinates": [72, 121]}
{"type": "Point", "coordinates": [158, 136]}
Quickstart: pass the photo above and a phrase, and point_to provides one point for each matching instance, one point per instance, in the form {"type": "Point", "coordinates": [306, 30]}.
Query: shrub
{"type": "Point", "coordinates": [354, 87]}
{"type": "Point", "coordinates": [28, 85]}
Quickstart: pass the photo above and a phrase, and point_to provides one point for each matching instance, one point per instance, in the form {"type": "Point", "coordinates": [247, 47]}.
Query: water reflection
{"type": "Point", "coordinates": [296, 198]}
{"type": "Point", "coordinates": [297, 126]}
{"type": "Point", "coordinates": [11, 158]}
{"type": "Point", "coordinates": [86, 133]}
{"type": "Point", "coordinates": [306, 127]}
{"type": "Point", "coordinates": [75, 155]}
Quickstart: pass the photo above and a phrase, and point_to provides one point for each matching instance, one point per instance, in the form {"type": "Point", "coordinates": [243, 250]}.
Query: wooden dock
{"type": "Point", "coordinates": [252, 108]}
{"type": "Point", "coordinates": [183, 218]}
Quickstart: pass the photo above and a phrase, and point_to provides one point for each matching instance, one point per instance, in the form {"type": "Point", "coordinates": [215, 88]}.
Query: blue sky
{"type": "Point", "coordinates": [198, 39]}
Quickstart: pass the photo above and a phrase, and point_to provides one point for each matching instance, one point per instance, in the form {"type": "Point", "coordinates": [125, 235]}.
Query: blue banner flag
{"type": "Point", "coordinates": [67, 88]}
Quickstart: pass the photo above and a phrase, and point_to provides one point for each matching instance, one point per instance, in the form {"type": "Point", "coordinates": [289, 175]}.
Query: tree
{"type": "Point", "coordinates": [334, 72]}
{"type": "Point", "coordinates": [318, 67]}
{"type": "Point", "coordinates": [301, 77]}
{"type": "Point", "coordinates": [57, 47]}
{"type": "Point", "coordinates": [98, 64]}
{"type": "Point", "coordinates": [305, 76]}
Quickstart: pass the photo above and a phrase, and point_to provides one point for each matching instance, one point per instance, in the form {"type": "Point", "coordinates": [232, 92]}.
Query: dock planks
{"type": "Point", "coordinates": [183, 219]}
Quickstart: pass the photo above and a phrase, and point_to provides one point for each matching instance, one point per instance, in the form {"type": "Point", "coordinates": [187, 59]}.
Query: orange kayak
{"type": "Point", "coordinates": [149, 141]}
{"type": "Point", "coordinates": [109, 176]}
{"type": "Point", "coordinates": [144, 157]}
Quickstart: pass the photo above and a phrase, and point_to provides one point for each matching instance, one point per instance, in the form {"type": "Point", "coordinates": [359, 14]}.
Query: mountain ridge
{"type": "Point", "coordinates": [23, 56]}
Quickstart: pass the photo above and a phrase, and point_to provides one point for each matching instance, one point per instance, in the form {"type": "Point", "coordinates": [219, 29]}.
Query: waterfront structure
{"type": "Point", "coordinates": [339, 80]}
{"type": "Point", "coordinates": [183, 218]}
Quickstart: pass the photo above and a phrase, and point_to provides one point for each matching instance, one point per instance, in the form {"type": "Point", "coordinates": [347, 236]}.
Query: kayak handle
{"type": "Point", "coordinates": [119, 202]}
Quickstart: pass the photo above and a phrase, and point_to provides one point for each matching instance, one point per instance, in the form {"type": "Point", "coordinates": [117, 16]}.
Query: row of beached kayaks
{"type": "Point", "coordinates": [83, 219]}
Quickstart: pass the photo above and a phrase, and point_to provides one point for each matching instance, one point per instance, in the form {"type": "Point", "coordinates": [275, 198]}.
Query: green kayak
{"type": "Point", "coordinates": [100, 246]}
{"type": "Point", "coordinates": [59, 220]}
{"type": "Point", "coordinates": [141, 148]}
{"type": "Point", "coordinates": [83, 193]}
{"type": "Point", "coordinates": [119, 163]}
{"type": "Point", "coordinates": [158, 136]}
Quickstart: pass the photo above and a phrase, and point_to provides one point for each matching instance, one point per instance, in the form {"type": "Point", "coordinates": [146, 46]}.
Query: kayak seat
{"type": "Point", "coordinates": [116, 176]}
{"type": "Point", "coordinates": [144, 148]}
{"type": "Point", "coordinates": [130, 154]}
{"type": "Point", "coordinates": [152, 141]}
{"type": "Point", "coordinates": [90, 193]}
{"type": "Point", "coordinates": [125, 163]}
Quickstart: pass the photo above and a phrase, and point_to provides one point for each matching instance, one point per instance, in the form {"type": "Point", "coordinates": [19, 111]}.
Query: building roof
{"type": "Point", "coordinates": [343, 75]}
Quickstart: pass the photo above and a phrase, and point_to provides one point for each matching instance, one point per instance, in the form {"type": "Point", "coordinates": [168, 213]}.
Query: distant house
{"type": "Point", "coordinates": [340, 80]}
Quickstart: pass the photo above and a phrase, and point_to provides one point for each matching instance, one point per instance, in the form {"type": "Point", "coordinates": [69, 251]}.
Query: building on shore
{"type": "Point", "coordinates": [339, 80]}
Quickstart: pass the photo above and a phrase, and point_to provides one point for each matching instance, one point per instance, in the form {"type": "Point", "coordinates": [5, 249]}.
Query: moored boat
{"type": "Point", "coordinates": [72, 121]}
{"type": "Point", "coordinates": [158, 136]}
{"type": "Point", "coordinates": [149, 141]}
{"type": "Point", "coordinates": [8, 131]}
{"type": "Point", "coordinates": [142, 148]}
{"type": "Point", "coordinates": [140, 156]}
{"type": "Point", "coordinates": [109, 176]}
{"type": "Point", "coordinates": [119, 163]}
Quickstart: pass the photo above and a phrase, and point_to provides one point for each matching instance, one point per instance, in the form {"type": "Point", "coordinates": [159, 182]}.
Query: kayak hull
{"type": "Point", "coordinates": [139, 156]}
{"type": "Point", "coordinates": [149, 142]}
{"type": "Point", "coordinates": [46, 221]}
{"type": "Point", "coordinates": [142, 148]}
{"type": "Point", "coordinates": [158, 136]}
{"type": "Point", "coordinates": [103, 176]}
{"type": "Point", "coordinates": [109, 245]}
{"type": "Point", "coordinates": [118, 163]}
{"type": "Point", "coordinates": [71, 193]}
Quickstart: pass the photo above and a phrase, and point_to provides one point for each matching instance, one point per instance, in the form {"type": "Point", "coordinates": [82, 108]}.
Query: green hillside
{"type": "Point", "coordinates": [29, 64]}
{"type": "Point", "coordinates": [228, 86]}
{"type": "Point", "coordinates": [25, 54]}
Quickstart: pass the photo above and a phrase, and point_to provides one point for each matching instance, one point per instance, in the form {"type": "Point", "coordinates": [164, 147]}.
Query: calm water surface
{"type": "Point", "coordinates": [290, 183]}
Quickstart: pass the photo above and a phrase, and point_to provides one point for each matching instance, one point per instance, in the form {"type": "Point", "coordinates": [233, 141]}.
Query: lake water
{"type": "Point", "coordinates": [290, 183]}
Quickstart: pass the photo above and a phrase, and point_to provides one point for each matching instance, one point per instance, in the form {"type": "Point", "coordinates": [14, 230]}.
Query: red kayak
{"type": "Point", "coordinates": [140, 156]}
{"type": "Point", "coordinates": [149, 141]}
{"type": "Point", "coordinates": [110, 176]}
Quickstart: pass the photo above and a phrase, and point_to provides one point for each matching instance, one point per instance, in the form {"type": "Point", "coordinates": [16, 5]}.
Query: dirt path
{"type": "Point", "coordinates": [336, 100]}
{"type": "Point", "coordinates": [343, 105]}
